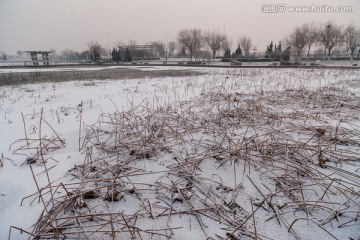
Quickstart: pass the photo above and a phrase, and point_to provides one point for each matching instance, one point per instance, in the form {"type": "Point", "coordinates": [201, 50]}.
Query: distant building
{"type": "Point", "coordinates": [140, 52]}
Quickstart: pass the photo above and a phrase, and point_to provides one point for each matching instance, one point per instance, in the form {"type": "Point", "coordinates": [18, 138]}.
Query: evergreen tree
{"type": "Point", "coordinates": [227, 53]}
{"type": "Point", "coordinates": [127, 57]}
{"type": "Point", "coordinates": [270, 47]}
{"type": "Point", "coordinates": [278, 51]}
{"type": "Point", "coordinates": [114, 55]}
{"type": "Point", "coordinates": [285, 56]}
{"type": "Point", "coordinates": [269, 50]}
{"type": "Point", "coordinates": [238, 52]}
{"type": "Point", "coordinates": [183, 51]}
{"type": "Point", "coordinates": [118, 55]}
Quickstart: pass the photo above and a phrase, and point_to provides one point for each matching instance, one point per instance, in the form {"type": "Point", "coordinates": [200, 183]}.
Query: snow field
{"type": "Point", "coordinates": [233, 153]}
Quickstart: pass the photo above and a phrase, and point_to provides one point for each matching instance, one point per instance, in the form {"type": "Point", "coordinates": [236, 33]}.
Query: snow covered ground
{"type": "Point", "coordinates": [247, 153]}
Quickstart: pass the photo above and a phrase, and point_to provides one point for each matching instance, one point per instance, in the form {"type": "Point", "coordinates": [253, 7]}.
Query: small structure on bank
{"type": "Point", "coordinates": [44, 60]}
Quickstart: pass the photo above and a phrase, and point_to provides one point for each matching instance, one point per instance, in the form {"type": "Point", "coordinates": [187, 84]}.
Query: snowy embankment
{"type": "Point", "coordinates": [95, 68]}
{"type": "Point", "coordinates": [232, 154]}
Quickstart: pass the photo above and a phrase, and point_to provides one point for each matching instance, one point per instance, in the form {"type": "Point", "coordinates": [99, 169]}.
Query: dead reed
{"type": "Point", "coordinates": [226, 158]}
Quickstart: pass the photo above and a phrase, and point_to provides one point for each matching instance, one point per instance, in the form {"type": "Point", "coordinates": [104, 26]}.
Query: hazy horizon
{"type": "Point", "coordinates": [71, 24]}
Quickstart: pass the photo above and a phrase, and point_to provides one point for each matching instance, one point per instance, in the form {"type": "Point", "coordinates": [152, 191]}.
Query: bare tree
{"type": "Point", "coordinates": [191, 39]}
{"type": "Point", "coordinates": [227, 47]}
{"type": "Point", "coordinates": [95, 50]}
{"type": "Point", "coordinates": [246, 44]}
{"type": "Point", "coordinates": [132, 42]}
{"type": "Point", "coordinates": [159, 47]}
{"type": "Point", "coordinates": [203, 55]}
{"type": "Point", "coordinates": [84, 55]}
{"type": "Point", "coordinates": [53, 54]}
{"type": "Point", "coordinates": [298, 40]}
{"type": "Point", "coordinates": [4, 57]}
{"type": "Point", "coordinates": [105, 51]}
{"type": "Point", "coordinates": [311, 34]}
{"type": "Point", "coordinates": [120, 43]}
{"type": "Point", "coordinates": [215, 41]}
{"type": "Point", "coordinates": [70, 55]}
{"type": "Point", "coordinates": [228, 44]}
{"type": "Point", "coordinates": [331, 35]}
{"type": "Point", "coordinates": [171, 47]}
{"type": "Point", "coordinates": [352, 38]}
{"type": "Point", "coordinates": [20, 54]}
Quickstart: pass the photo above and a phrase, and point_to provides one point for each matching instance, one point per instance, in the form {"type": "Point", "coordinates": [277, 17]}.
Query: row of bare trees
{"type": "Point", "coordinates": [194, 40]}
{"type": "Point", "coordinates": [301, 40]}
{"type": "Point", "coordinates": [328, 35]}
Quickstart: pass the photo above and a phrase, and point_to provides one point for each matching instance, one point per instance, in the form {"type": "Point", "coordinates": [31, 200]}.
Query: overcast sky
{"type": "Point", "coordinates": [71, 24]}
